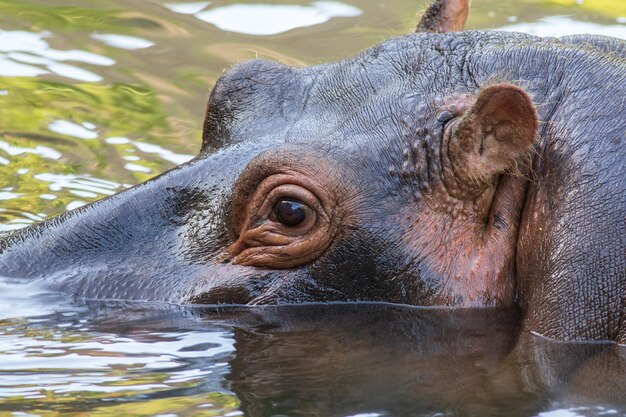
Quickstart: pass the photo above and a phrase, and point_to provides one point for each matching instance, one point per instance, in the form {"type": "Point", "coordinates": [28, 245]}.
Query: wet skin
{"type": "Point", "coordinates": [467, 169]}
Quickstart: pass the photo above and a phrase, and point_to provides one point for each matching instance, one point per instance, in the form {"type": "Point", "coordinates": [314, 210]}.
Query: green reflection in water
{"type": "Point", "coordinates": [103, 405]}
{"type": "Point", "coordinates": [56, 150]}
{"type": "Point", "coordinates": [61, 367]}
{"type": "Point", "coordinates": [33, 106]}
{"type": "Point", "coordinates": [59, 16]}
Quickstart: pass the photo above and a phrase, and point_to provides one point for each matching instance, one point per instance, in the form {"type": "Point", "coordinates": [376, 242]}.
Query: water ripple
{"type": "Point", "coordinates": [28, 52]}
{"type": "Point", "coordinates": [272, 19]}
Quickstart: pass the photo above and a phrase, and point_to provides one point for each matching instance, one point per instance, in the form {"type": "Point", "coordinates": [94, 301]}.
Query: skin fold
{"type": "Point", "coordinates": [440, 168]}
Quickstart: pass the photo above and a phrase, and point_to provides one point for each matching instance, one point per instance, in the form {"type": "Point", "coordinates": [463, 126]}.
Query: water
{"type": "Point", "coordinates": [63, 357]}
{"type": "Point", "coordinates": [96, 96]}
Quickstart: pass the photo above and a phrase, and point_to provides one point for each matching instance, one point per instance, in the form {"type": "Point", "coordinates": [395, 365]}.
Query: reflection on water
{"type": "Point", "coordinates": [40, 150]}
{"type": "Point", "coordinates": [265, 19]}
{"type": "Point", "coordinates": [57, 361]}
{"type": "Point", "coordinates": [187, 8]}
{"type": "Point", "coordinates": [333, 360]}
{"type": "Point", "coordinates": [98, 96]}
{"type": "Point", "coordinates": [269, 19]}
{"type": "Point", "coordinates": [83, 131]}
{"type": "Point", "coordinates": [564, 25]}
{"type": "Point", "coordinates": [122, 41]}
{"type": "Point", "coordinates": [82, 186]}
{"type": "Point", "coordinates": [26, 54]}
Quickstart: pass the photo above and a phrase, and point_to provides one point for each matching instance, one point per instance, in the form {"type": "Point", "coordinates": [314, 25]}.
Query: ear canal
{"type": "Point", "coordinates": [491, 136]}
{"type": "Point", "coordinates": [444, 16]}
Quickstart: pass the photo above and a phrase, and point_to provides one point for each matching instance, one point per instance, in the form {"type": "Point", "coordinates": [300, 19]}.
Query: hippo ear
{"type": "Point", "coordinates": [444, 16]}
{"type": "Point", "coordinates": [498, 129]}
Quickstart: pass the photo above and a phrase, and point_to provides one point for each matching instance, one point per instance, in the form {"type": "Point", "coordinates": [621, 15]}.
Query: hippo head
{"type": "Point", "coordinates": [393, 176]}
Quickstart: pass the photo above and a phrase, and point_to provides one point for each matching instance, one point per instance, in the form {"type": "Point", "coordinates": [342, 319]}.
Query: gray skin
{"type": "Point", "coordinates": [371, 128]}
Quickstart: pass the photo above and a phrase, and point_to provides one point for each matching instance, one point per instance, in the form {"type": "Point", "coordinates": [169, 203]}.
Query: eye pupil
{"type": "Point", "coordinates": [290, 213]}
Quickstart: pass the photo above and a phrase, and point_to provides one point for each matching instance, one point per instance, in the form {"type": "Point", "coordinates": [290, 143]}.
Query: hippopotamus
{"type": "Point", "coordinates": [439, 168]}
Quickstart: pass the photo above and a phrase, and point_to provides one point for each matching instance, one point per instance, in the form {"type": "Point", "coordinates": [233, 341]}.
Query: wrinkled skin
{"type": "Point", "coordinates": [468, 169]}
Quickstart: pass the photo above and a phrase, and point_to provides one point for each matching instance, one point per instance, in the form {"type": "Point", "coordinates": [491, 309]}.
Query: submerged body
{"type": "Point", "coordinates": [474, 168]}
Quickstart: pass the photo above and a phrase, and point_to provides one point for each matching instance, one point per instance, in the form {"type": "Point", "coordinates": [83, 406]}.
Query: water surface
{"type": "Point", "coordinates": [96, 96]}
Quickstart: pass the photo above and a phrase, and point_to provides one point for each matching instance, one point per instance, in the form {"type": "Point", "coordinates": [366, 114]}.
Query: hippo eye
{"type": "Point", "coordinates": [286, 222]}
{"type": "Point", "coordinates": [291, 213]}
